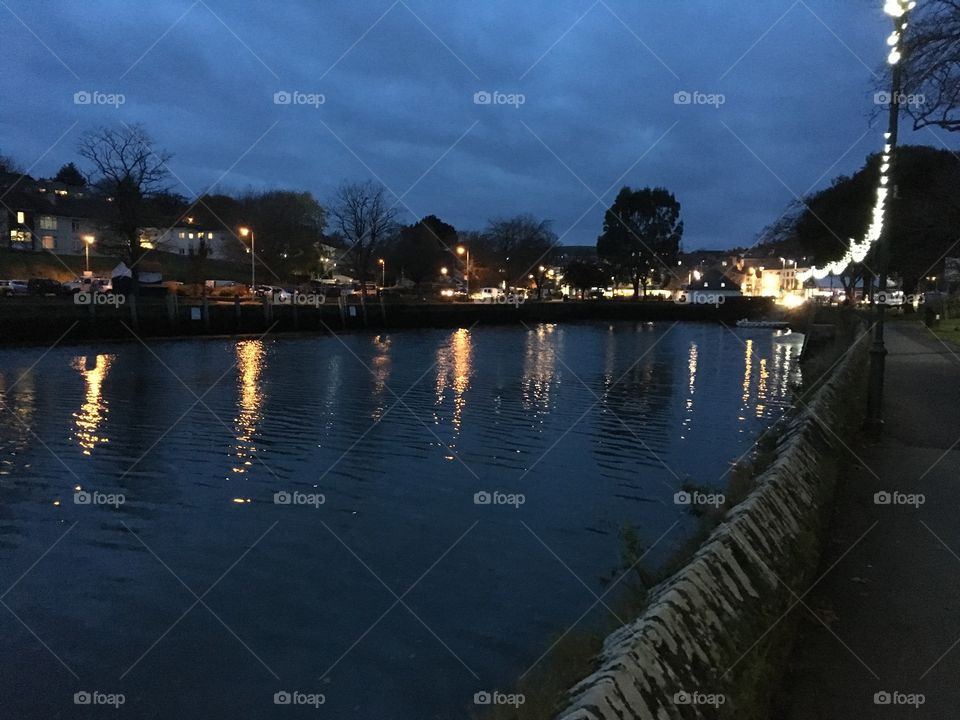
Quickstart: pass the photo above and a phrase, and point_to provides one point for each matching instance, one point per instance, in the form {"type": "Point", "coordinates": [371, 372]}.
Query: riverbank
{"type": "Point", "coordinates": [880, 626]}
{"type": "Point", "coordinates": [47, 319]}
{"type": "Point", "coordinates": [713, 638]}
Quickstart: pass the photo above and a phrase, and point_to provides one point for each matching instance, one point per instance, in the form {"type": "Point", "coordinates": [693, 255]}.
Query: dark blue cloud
{"type": "Point", "coordinates": [599, 83]}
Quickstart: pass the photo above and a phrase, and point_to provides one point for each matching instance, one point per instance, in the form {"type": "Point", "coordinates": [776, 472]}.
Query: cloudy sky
{"type": "Point", "coordinates": [779, 92]}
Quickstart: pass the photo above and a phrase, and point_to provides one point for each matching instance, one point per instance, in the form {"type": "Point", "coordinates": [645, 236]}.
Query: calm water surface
{"type": "Point", "coordinates": [398, 596]}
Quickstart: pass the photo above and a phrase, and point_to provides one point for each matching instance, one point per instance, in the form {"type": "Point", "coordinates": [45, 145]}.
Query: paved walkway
{"type": "Point", "coordinates": [888, 604]}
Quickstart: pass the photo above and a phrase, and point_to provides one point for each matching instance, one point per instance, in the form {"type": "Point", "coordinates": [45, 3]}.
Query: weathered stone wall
{"type": "Point", "coordinates": [710, 639]}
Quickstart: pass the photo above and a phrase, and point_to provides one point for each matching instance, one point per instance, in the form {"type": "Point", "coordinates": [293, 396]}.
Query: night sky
{"type": "Point", "coordinates": [398, 83]}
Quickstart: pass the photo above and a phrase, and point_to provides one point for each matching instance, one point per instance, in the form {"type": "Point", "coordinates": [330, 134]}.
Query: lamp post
{"type": "Point", "coordinates": [898, 10]}
{"type": "Point", "coordinates": [247, 232]}
{"type": "Point", "coordinates": [88, 240]}
{"type": "Point", "coordinates": [383, 273]}
{"type": "Point", "coordinates": [465, 251]}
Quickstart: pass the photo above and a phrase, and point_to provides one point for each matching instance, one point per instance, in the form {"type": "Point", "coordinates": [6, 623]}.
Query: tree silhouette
{"type": "Point", "coordinates": [641, 236]}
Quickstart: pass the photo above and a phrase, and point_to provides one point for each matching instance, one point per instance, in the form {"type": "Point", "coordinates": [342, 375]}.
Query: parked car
{"type": "Point", "coordinates": [487, 295]}
{"type": "Point", "coordinates": [217, 284]}
{"type": "Point", "coordinates": [275, 293]}
{"type": "Point", "coordinates": [88, 284]}
{"type": "Point", "coordinates": [9, 288]}
{"type": "Point", "coordinates": [43, 286]}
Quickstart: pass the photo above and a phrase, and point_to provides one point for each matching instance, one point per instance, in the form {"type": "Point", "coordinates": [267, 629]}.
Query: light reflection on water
{"type": "Point", "coordinates": [251, 360]}
{"type": "Point", "coordinates": [594, 424]}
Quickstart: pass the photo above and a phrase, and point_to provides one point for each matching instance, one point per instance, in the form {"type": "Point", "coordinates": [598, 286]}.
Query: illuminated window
{"type": "Point", "coordinates": [21, 217]}
{"type": "Point", "coordinates": [19, 236]}
{"type": "Point", "coordinates": [191, 236]}
{"type": "Point", "coordinates": [48, 222]}
{"type": "Point", "coordinates": [182, 235]}
{"type": "Point", "coordinates": [48, 242]}
{"type": "Point", "coordinates": [209, 236]}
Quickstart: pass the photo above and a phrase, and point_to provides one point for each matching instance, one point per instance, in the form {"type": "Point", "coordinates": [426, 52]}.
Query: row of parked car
{"type": "Point", "coordinates": [50, 287]}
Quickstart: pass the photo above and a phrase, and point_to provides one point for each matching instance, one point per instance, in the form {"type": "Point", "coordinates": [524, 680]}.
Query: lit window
{"type": "Point", "coordinates": [48, 242]}
{"type": "Point", "coordinates": [19, 236]}
{"type": "Point", "coordinates": [209, 236]}
{"type": "Point", "coordinates": [48, 222]}
{"type": "Point", "coordinates": [21, 217]}
{"type": "Point", "coordinates": [191, 236]}
{"type": "Point", "coordinates": [182, 235]}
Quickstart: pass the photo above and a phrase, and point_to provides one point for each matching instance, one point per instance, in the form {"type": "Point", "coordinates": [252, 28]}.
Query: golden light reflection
{"type": "Point", "coordinates": [692, 357]}
{"type": "Point", "coordinates": [381, 365]}
{"type": "Point", "coordinates": [94, 410]}
{"type": "Point", "coordinates": [762, 389]}
{"type": "Point", "coordinates": [747, 372]}
{"type": "Point", "coordinates": [250, 363]}
{"type": "Point", "coordinates": [454, 366]}
{"type": "Point", "coordinates": [540, 366]}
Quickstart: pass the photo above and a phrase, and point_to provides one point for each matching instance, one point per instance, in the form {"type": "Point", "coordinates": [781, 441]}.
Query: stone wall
{"type": "Point", "coordinates": [712, 637]}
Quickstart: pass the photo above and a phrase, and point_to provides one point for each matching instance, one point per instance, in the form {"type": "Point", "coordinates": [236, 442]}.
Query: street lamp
{"type": "Point", "coordinates": [247, 232]}
{"type": "Point", "coordinates": [383, 272]}
{"type": "Point", "coordinates": [88, 240]}
{"type": "Point", "coordinates": [443, 271]}
{"type": "Point", "coordinates": [898, 10]}
{"type": "Point", "coordinates": [461, 250]}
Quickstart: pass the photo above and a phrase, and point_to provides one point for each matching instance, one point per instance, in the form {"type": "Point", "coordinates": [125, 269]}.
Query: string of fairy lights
{"type": "Point", "coordinates": [858, 249]}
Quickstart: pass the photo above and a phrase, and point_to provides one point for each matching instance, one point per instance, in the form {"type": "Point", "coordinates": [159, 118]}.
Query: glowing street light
{"type": "Point", "coordinates": [247, 232]}
{"type": "Point", "coordinates": [462, 250]}
{"type": "Point", "coordinates": [383, 272]}
{"type": "Point", "coordinates": [88, 240]}
{"type": "Point", "coordinates": [879, 231]}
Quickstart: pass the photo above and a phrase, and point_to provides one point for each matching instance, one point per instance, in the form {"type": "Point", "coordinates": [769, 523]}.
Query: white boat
{"type": "Point", "coordinates": [771, 324]}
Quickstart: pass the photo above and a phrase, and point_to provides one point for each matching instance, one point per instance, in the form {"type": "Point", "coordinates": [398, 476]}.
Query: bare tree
{"type": "Point", "coordinates": [9, 165]}
{"type": "Point", "coordinates": [361, 213]}
{"type": "Point", "coordinates": [523, 244]}
{"type": "Point", "coordinates": [127, 171]}
{"type": "Point", "coordinates": [931, 68]}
